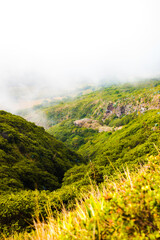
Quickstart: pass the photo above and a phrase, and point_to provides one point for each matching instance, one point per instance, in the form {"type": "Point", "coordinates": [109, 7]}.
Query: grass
{"type": "Point", "coordinates": [128, 208]}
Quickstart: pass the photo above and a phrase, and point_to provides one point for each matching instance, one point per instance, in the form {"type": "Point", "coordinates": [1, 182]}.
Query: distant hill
{"type": "Point", "coordinates": [31, 158]}
{"type": "Point", "coordinates": [108, 103]}
{"type": "Point", "coordinates": [110, 128]}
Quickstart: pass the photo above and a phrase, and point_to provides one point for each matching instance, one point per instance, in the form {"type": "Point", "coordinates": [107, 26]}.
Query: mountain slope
{"type": "Point", "coordinates": [116, 100]}
{"type": "Point", "coordinates": [108, 153]}
{"type": "Point", "coordinates": [124, 209]}
{"type": "Point", "coordinates": [130, 116]}
{"type": "Point", "coordinates": [31, 158]}
{"type": "Point", "coordinates": [71, 135]}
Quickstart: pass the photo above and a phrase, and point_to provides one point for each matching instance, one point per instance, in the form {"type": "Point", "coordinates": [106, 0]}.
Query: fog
{"type": "Point", "coordinates": [49, 48]}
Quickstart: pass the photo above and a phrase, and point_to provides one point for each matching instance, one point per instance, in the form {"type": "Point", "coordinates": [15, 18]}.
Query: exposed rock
{"type": "Point", "coordinates": [122, 109]}
{"type": "Point", "coordinates": [119, 108]}
{"type": "Point", "coordinates": [125, 108]}
{"type": "Point", "coordinates": [118, 128]}
{"type": "Point", "coordinates": [105, 129]}
{"type": "Point", "coordinates": [94, 124]}
{"type": "Point", "coordinates": [110, 107]}
{"type": "Point", "coordinates": [82, 122]}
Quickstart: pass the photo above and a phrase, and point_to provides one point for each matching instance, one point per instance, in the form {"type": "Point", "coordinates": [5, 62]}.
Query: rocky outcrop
{"type": "Point", "coordinates": [83, 122]}
{"type": "Point", "coordinates": [124, 108]}
{"type": "Point", "coordinates": [90, 123]}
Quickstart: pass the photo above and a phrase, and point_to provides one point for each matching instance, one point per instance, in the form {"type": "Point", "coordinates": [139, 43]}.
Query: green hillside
{"type": "Point", "coordinates": [108, 153]}
{"type": "Point", "coordinates": [126, 138]}
{"type": "Point", "coordinates": [128, 208]}
{"type": "Point", "coordinates": [31, 158]}
{"type": "Point", "coordinates": [72, 136]}
{"type": "Point", "coordinates": [103, 133]}
{"type": "Point", "coordinates": [117, 99]}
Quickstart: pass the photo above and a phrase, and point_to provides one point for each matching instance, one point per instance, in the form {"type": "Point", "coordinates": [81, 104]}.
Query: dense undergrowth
{"type": "Point", "coordinates": [72, 136]}
{"type": "Point", "coordinates": [30, 158]}
{"type": "Point", "coordinates": [18, 209]}
{"type": "Point", "coordinates": [128, 208]}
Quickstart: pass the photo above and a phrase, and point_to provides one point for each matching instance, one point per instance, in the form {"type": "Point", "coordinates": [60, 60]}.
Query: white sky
{"type": "Point", "coordinates": [63, 42]}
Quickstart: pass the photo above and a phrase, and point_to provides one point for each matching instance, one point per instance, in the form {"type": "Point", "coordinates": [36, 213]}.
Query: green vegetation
{"type": "Point", "coordinates": [94, 105]}
{"type": "Point", "coordinates": [72, 136]}
{"type": "Point", "coordinates": [19, 209]}
{"type": "Point", "coordinates": [114, 121]}
{"type": "Point", "coordinates": [40, 175]}
{"type": "Point", "coordinates": [135, 139]}
{"type": "Point", "coordinates": [128, 208]}
{"type": "Point", "coordinates": [108, 151]}
{"type": "Point", "coordinates": [31, 158]}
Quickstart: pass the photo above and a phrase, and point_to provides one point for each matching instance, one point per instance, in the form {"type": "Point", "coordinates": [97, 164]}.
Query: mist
{"type": "Point", "coordinates": [49, 48]}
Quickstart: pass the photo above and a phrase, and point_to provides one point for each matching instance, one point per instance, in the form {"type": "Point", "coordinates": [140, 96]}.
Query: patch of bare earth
{"type": "Point", "coordinates": [94, 124]}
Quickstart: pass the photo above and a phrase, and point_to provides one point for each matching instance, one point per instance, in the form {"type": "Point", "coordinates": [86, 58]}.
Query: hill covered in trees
{"type": "Point", "coordinates": [31, 158]}
{"type": "Point", "coordinates": [106, 153]}
{"type": "Point", "coordinates": [103, 133]}
{"type": "Point", "coordinates": [130, 123]}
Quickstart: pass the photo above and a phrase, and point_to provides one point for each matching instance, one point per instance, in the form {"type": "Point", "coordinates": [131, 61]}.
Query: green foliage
{"type": "Point", "coordinates": [114, 121]}
{"type": "Point", "coordinates": [128, 208]}
{"type": "Point", "coordinates": [130, 145]}
{"type": "Point", "coordinates": [31, 158]}
{"type": "Point", "coordinates": [19, 210]}
{"type": "Point", "coordinates": [71, 135]}
{"type": "Point", "coordinates": [94, 105]}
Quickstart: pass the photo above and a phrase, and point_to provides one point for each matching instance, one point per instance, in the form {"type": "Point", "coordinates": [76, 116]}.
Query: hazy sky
{"type": "Point", "coordinates": [64, 42]}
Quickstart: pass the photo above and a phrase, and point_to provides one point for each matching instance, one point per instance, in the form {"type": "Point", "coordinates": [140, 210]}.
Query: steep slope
{"type": "Point", "coordinates": [132, 109]}
{"type": "Point", "coordinates": [108, 153]}
{"type": "Point", "coordinates": [31, 158]}
{"type": "Point", "coordinates": [71, 135]}
{"type": "Point", "coordinates": [108, 102]}
{"type": "Point", "coordinates": [124, 209]}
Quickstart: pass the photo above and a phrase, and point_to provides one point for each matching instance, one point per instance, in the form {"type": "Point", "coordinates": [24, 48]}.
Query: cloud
{"type": "Point", "coordinates": [57, 45]}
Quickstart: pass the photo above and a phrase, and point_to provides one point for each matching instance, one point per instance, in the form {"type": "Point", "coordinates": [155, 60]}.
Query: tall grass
{"type": "Point", "coordinates": [128, 208]}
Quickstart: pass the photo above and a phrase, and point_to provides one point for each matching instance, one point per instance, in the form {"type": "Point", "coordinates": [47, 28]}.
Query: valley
{"type": "Point", "coordinates": [88, 142]}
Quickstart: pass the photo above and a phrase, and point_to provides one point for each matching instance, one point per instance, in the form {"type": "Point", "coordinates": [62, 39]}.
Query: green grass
{"type": "Point", "coordinates": [128, 208]}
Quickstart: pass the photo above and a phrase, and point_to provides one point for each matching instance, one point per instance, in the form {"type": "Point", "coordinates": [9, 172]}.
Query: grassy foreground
{"type": "Point", "coordinates": [126, 209]}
